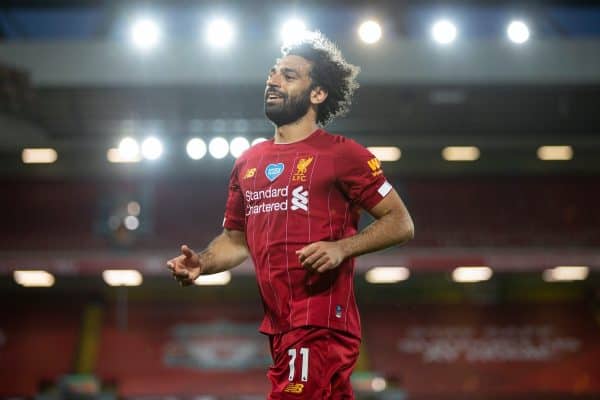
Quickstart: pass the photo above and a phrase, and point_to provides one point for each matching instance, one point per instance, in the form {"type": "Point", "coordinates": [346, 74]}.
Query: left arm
{"type": "Point", "coordinates": [393, 225]}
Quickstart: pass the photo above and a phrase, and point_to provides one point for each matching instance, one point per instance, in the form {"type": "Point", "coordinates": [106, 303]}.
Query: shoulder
{"type": "Point", "coordinates": [343, 146]}
{"type": "Point", "coordinates": [254, 151]}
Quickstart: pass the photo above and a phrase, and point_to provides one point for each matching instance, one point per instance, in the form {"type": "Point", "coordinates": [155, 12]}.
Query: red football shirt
{"type": "Point", "coordinates": [286, 196]}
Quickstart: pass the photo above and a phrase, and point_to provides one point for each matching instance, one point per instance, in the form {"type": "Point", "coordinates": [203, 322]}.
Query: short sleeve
{"type": "Point", "coordinates": [360, 176]}
{"type": "Point", "coordinates": [234, 208]}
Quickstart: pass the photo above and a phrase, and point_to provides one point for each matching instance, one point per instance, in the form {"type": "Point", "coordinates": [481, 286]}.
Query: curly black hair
{"type": "Point", "coordinates": [330, 71]}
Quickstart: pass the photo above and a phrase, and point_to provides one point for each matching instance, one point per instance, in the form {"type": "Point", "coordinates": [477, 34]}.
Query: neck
{"type": "Point", "coordinates": [296, 131]}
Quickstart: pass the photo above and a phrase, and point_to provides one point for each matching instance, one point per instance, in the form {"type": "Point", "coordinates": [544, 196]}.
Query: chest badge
{"type": "Point", "coordinates": [301, 169]}
{"type": "Point", "coordinates": [274, 170]}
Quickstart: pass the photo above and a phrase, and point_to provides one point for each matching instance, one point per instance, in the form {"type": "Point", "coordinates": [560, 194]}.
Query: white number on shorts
{"type": "Point", "coordinates": [304, 353]}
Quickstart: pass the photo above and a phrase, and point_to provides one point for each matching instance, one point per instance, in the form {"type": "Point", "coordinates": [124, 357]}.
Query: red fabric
{"type": "Point", "coordinates": [328, 355]}
{"type": "Point", "coordinates": [286, 196]}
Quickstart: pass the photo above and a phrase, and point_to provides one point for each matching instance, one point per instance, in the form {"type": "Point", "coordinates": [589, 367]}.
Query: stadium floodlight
{"type": "Point", "coordinates": [369, 32]}
{"type": "Point", "coordinates": [39, 156]}
{"type": "Point", "coordinates": [122, 277]}
{"type": "Point", "coordinates": [33, 278]}
{"type": "Point", "coordinates": [378, 384]}
{"type": "Point", "coordinates": [258, 140]}
{"type": "Point", "coordinates": [196, 148]}
{"type": "Point", "coordinates": [386, 153]}
{"type": "Point", "coordinates": [218, 147]}
{"type": "Point", "coordinates": [219, 33]}
{"type": "Point", "coordinates": [387, 274]}
{"type": "Point", "coordinates": [145, 33]}
{"type": "Point", "coordinates": [517, 32]}
{"type": "Point", "coordinates": [129, 149]}
{"type": "Point", "coordinates": [152, 148]}
{"type": "Point", "coordinates": [471, 274]}
{"type": "Point", "coordinates": [293, 31]}
{"type": "Point", "coordinates": [444, 32]}
{"type": "Point", "coordinates": [566, 273]}
{"type": "Point", "coordinates": [221, 278]}
{"type": "Point", "coordinates": [131, 222]}
{"type": "Point", "coordinates": [555, 153]}
{"type": "Point", "coordinates": [460, 153]}
{"type": "Point", "coordinates": [134, 208]}
{"type": "Point", "coordinates": [238, 145]}
{"type": "Point", "coordinates": [113, 155]}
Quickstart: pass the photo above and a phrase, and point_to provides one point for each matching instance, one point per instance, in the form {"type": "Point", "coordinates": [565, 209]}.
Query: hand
{"type": "Point", "coordinates": [186, 267]}
{"type": "Point", "coordinates": [321, 256]}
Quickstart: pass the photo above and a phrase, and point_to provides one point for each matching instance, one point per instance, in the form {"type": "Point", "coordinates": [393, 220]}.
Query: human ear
{"type": "Point", "coordinates": [318, 95]}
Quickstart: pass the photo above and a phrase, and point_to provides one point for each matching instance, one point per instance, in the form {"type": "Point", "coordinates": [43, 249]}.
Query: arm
{"type": "Point", "coordinates": [226, 251]}
{"type": "Point", "coordinates": [393, 225]}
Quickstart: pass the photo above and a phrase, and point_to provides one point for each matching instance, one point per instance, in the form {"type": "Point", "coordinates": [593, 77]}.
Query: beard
{"type": "Point", "coordinates": [289, 109]}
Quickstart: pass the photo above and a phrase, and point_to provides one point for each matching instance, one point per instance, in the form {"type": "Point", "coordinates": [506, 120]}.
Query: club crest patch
{"type": "Point", "coordinates": [274, 170]}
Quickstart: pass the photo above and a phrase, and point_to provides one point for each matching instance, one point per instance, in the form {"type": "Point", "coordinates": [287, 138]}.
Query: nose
{"type": "Point", "coordinates": [273, 80]}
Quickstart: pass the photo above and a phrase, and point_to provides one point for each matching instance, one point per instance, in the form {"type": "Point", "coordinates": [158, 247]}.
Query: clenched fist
{"type": "Point", "coordinates": [185, 268]}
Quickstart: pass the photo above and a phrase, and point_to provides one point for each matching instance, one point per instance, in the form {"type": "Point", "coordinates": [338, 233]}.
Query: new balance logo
{"type": "Point", "coordinates": [300, 199]}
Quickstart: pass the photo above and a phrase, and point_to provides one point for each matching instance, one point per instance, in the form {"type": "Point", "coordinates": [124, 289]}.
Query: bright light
{"type": "Point", "coordinates": [460, 153]}
{"type": "Point", "coordinates": [196, 148]}
{"type": "Point", "coordinates": [369, 32]}
{"type": "Point", "coordinates": [386, 153]}
{"type": "Point", "coordinates": [444, 32]}
{"type": "Point", "coordinates": [258, 140]}
{"type": "Point", "coordinates": [222, 278]}
{"type": "Point", "coordinates": [145, 34]}
{"type": "Point", "coordinates": [39, 156]}
{"type": "Point", "coordinates": [219, 33]}
{"type": "Point", "coordinates": [114, 156]}
{"type": "Point", "coordinates": [471, 274]}
{"type": "Point", "coordinates": [218, 147]}
{"type": "Point", "coordinates": [378, 384]}
{"type": "Point", "coordinates": [122, 277]}
{"type": "Point", "coordinates": [518, 32]}
{"type": "Point", "coordinates": [238, 146]}
{"type": "Point", "coordinates": [555, 153]}
{"type": "Point", "coordinates": [566, 273]}
{"type": "Point", "coordinates": [129, 149]}
{"type": "Point", "coordinates": [293, 31]}
{"type": "Point", "coordinates": [152, 148]}
{"type": "Point", "coordinates": [387, 274]}
{"type": "Point", "coordinates": [133, 208]}
{"type": "Point", "coordinates": [131, 222]}
{"type": "Point", "coordinates": [34, 278]}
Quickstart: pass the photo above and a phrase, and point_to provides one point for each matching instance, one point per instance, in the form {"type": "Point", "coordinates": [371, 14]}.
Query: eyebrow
{"type": "Point", "coordinates": [285, 70]}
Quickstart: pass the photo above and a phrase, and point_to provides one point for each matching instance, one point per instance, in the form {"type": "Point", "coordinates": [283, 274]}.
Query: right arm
{"type": "Point", "coordinates": [226, 251]}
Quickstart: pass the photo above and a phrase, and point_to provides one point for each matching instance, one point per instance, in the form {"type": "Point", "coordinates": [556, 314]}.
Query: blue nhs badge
{"type": "Point", "coordinates": [274, 170]}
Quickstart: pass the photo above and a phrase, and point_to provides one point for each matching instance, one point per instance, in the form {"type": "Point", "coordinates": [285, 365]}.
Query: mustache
{"type": "Point", "coordinates": [274, 91]}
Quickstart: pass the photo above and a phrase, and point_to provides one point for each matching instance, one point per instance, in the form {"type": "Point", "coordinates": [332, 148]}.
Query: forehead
{"type": "Point", "coordinates": [297, 63]}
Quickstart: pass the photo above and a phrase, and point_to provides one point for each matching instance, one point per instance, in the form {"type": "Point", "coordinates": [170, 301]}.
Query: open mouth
{"type": "Point", "coordinates": [273, 96]}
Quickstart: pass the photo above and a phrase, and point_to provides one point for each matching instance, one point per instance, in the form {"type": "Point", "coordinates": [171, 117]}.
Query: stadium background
{"type": "Point", "coordinates": [71, 80]}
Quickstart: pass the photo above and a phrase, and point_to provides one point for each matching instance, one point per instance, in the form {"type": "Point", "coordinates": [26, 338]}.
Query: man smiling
{"type": "Point", "coordinates": [293, 207]}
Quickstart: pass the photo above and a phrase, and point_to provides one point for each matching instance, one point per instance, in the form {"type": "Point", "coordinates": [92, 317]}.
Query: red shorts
{"type": "Point", "coordinates": [312, 363]}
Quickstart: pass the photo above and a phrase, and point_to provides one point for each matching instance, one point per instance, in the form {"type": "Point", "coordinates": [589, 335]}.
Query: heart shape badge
{"type": "Point", "coordinates": [274, 170]}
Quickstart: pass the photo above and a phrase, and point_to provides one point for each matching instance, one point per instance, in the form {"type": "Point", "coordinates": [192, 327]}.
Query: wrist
{"type": "Point", "coordinates": [345, 248]}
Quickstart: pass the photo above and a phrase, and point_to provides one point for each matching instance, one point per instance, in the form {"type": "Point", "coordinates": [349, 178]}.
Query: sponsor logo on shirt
{"type": "Point", "coordinates": [375, 166]}
{"type": "Point", "coordinates": [300, 199]}
{"type": "Point", "coordinates": [249, 173]}
{"type": "Point", "coordinates": [295, 388]}
{"type": "Point", "coordinates": [275, 199]}
{"type": "Point", "coordinates": [274, 170]}
{"type": "Point", "coordinates": [338, 311]}
{"type": "Point", "coordinates": [301, 169]}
